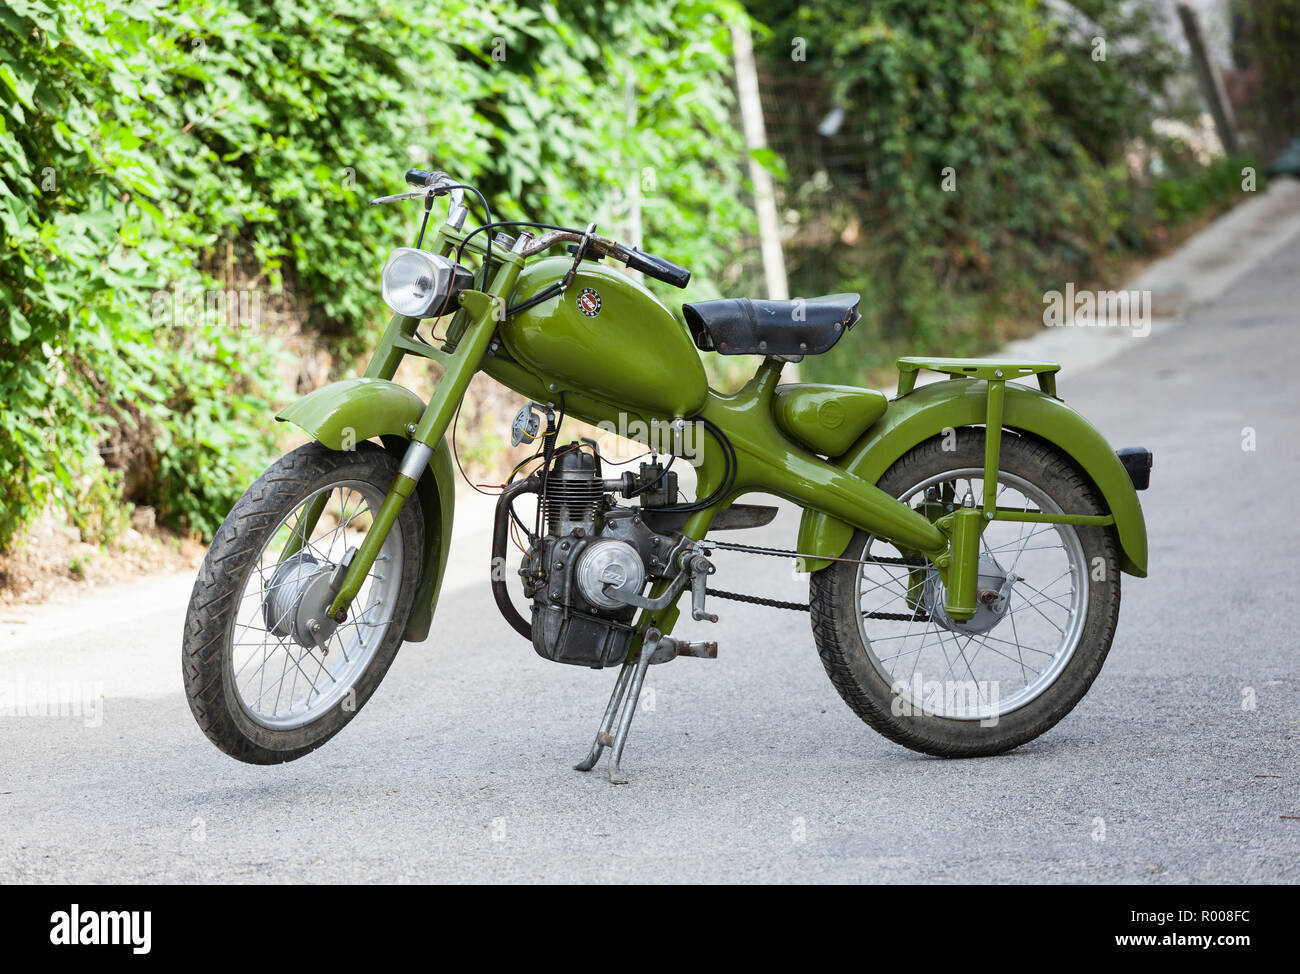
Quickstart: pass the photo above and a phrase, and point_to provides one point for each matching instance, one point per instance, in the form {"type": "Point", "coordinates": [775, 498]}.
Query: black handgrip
{"type": "Point", "coordinates": [420, 177]}
{"type": "Point", "coordinates": [658, 268]}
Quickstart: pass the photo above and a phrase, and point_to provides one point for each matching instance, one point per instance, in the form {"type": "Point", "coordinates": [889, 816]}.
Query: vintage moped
{"type": "Point", "coordinates": [965, 538]}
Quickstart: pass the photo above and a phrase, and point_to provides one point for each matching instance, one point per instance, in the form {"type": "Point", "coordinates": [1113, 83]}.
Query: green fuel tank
{"type": "Point", "coordinates": [606, 337]}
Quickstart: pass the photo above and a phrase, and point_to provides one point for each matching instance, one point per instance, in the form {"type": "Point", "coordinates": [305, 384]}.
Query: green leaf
{"type": "Point", "coordinates": [19, 328]}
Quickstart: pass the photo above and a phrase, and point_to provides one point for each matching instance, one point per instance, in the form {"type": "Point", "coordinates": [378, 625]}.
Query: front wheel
{"type": "Point", "coordinates": [268, 675]}
{"type": "Point", "coordinates": [1049, 602]}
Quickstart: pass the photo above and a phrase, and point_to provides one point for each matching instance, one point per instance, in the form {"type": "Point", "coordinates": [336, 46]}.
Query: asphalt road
{"type": "Point", "coordinates": [1181, 765]}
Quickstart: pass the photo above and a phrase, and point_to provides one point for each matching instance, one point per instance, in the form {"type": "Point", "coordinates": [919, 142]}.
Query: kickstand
{"type": "Point", "coordinates": [622, 706]}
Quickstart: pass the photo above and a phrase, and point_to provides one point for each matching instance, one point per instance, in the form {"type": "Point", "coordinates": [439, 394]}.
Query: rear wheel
{"type": "Point", "coordinates": [268, 675]}
{"type": "Point", "coordinates": [1049, 605]}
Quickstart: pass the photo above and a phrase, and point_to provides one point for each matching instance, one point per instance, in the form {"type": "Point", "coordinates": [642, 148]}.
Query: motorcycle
{"type": "Point", "coordinates": [964, 539]}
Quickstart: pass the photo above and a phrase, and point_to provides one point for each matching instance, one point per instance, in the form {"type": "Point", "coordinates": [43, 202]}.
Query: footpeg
{"type": "Point", "coordinates": [700, 650]}
{"type": "Point", "coordinates": [670, 649]}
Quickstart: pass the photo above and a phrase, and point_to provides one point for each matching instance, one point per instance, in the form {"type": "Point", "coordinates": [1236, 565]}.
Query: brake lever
{"type": "Point", "coordinates": [412, 195]}
{"type": "Point", "coordinates": [438, 185]}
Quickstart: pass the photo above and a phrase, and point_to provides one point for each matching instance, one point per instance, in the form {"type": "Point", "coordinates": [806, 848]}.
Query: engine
{"type": "Point", "coordinates": [586, 569]}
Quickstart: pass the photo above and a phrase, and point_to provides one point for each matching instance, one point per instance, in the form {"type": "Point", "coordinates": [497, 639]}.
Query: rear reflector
{"type": "Point", "coordinates": [1137, 462]}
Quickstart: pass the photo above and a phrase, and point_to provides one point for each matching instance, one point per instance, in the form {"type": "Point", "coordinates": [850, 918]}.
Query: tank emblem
{"type": "Point", "coordinates": [589, 302]}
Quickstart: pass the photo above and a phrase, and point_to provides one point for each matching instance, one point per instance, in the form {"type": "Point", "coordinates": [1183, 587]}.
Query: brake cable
{"type": "Point", "coordinates": [560, 286]}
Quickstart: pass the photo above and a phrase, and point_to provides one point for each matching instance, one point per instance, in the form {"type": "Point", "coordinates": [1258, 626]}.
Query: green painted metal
{"type": "Point", "coordinates": [928, 411]}
{"type": "Point", "coordinates": [632, 362]}
{"type": "Point", "coordinates": [342, 414]}
{"type": "Point", "coordinates": [961, 591]}
{"type": "Point", "coordinates": [485, 309]}
{"type": "Point", "coordinates": [631, 351]}
{"type": "Point", "coordinates": [976, 368]}
{"type": "Point", "coordinates": [827, 419]}
{"type": "Point", "coordinates": [1039, 517]}
{"type": "Point", "coordinates": [993, 443]}
{"type": "Point", "coordinates": [345, 413]}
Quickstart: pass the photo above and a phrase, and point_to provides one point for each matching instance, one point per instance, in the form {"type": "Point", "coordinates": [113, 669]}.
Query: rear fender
{"type": "Point", "coordinates": [928, 411]}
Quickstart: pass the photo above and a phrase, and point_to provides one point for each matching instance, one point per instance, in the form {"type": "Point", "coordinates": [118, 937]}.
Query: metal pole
{"type": "Point", "coordinates": [1209, 80]}
{"type": "Point", "coordinates": [751, 116]}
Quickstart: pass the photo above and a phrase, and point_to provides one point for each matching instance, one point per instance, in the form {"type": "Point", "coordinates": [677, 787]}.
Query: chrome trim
{"type": "Point", "coordinates": [416, 460]}
{"type": "Point", "coordinates": [552, 237]}
{"type": "Point", "coordinates": [441, 269]}
{"type": "Point", "coordinates": [456, 209]}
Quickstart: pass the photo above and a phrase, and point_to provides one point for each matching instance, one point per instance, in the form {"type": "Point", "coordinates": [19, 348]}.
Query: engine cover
{"type": "Point", "coordinates": [608, 563]}
{"type": "Point", "coordinates": [593, 557]}
{"type": "Point", "coordinates": [569, 627]}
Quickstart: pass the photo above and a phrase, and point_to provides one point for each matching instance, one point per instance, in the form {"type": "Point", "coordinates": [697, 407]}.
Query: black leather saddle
{"type": "Point", "coordinates": [742, 326]}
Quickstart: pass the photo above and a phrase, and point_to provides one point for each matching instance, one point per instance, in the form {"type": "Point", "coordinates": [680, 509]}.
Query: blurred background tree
{"type": "Point", "coordinates": [953, 160]}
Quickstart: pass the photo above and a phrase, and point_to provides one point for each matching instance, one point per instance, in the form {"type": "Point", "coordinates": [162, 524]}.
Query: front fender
{"type": "Point", "coordinates": [341, 415]}
{"type": "Point", "coordinates": [931, 409]}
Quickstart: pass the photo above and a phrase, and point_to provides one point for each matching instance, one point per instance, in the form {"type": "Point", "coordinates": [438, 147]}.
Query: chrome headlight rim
{"type": "Point", "coordinates": [421, 296]}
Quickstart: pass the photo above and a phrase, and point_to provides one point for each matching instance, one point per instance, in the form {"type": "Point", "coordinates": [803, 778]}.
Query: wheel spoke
{"type": "Point", "coordinates": [310, 679]}
{"type": "Point", "coordinates": [975, 650]}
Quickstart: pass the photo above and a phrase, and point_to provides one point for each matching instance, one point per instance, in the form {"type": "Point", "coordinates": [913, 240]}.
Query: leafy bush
{"type": "Point", "coordinates": [987, 152]}
{"type": "Point", "coordinates": [151, 152]}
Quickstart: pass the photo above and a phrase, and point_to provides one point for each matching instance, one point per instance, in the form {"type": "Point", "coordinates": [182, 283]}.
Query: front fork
{"type": "Point", "coordinates": [484, 311]}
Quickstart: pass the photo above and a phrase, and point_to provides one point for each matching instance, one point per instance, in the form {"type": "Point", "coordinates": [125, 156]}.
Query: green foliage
{"type": "Point", "coordinates": [1106, 72]}
{"type": "Point", "coordinates": [1183, 195]}
{"type": "Point", "coordinates": [1267, 50]}
{"type": "Point", "coordinates": [151, 146]}
{"type": "Point", "coordinates": [96, 218]}
{"type": "Point", "coordinates": [989, 151]}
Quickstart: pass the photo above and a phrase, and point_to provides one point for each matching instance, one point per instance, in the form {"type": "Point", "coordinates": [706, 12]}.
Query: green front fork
{"type": "Point", "coordinates": [483, 313]}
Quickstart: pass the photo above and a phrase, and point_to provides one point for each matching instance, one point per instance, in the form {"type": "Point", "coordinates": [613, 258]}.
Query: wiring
{"type": "Point", "coordinates": [508, 223]}
{"type": "Point", "coordinates": [455, 422]}
{"type": "Point", "coordinates": [731, 469]}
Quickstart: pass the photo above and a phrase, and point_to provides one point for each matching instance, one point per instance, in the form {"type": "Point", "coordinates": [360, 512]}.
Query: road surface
{"type": "Point", "coordinates": [1181, 765]}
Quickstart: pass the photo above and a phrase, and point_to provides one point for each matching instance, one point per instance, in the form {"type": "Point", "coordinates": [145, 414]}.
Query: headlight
{"type": "Point", "coordinates": [419, 284]}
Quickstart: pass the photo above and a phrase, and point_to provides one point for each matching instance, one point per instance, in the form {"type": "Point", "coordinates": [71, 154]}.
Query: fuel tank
{"type": "Point", "coordinates": [607, 337]}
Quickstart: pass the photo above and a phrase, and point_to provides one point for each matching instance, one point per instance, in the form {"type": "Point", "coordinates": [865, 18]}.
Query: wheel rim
{"type": "Point", "coordinates": [280, 683]}
{"type": "Point", "coordinates": [968, 674]}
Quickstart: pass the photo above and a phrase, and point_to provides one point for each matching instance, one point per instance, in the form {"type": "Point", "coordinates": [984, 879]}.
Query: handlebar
{"type": "Point", "coordinates": [434, 183]}
{"type": "Point", "coordinates": [424, 177]}
{"type": "Point", "coordinates": [648, 264]}
{"type": "Point", "coordinates": [657, 267]}
{"type": "Point", "coordinates": [638, 260]}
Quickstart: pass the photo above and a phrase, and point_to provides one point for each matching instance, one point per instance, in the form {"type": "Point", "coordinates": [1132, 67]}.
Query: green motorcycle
{"type": "Point", "coordinates": [964, 539]}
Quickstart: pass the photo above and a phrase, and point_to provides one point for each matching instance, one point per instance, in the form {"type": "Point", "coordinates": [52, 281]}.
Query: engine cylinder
{"type": "Point", "coordinates": [574, 490]}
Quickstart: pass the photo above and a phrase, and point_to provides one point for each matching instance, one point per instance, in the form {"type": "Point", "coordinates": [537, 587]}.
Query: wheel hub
{"type": "Point", "coordinates": [296, 602]}
{"type": "Point", "coordinates": [993, 597]}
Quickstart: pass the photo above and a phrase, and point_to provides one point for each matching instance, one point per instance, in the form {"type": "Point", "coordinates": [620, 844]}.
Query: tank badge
{"type": "Point", "coordinates": [589, 302]}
